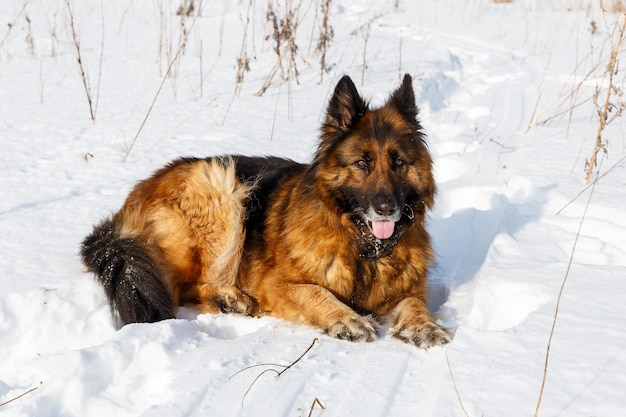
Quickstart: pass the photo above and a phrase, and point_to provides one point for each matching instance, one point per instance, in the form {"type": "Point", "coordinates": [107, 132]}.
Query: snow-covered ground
{"type": "Point", "coordinates": [483, 70]}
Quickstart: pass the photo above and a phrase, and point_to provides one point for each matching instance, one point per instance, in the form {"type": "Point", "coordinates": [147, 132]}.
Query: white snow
{"type": "Point", "coordinates": [483, 70]}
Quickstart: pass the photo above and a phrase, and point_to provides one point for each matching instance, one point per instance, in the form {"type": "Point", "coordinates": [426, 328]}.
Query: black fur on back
{"type": "Point", "coordinates": [130, 278]}
{"type": "Point", "coordinates": [266, 173]}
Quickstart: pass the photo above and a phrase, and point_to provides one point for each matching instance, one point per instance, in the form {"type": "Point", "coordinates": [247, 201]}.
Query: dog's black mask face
{"type": "Point", "coordinates": [375, 164]}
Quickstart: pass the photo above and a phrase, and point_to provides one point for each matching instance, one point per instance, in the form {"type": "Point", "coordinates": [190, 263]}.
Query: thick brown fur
{"type": "Point", "coordinates": [338, 244]}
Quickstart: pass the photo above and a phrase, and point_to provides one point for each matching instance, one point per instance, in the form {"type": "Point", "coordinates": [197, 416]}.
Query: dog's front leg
{"type": "Point", "coordinates": [412, 323]}
{"type": "Point", "coordinates": [316, 306]}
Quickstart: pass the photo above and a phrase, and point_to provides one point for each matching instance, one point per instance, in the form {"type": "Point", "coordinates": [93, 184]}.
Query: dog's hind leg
{"type": "Point", "coordinates": [212, 207]}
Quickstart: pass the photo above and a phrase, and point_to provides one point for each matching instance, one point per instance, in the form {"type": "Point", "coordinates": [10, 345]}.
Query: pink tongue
{"type": "Point", "coordinates": [383, 229]}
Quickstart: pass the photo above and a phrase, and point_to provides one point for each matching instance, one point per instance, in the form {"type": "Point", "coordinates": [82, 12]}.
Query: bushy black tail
{"type": "Point", "coordinates": [130, 278]}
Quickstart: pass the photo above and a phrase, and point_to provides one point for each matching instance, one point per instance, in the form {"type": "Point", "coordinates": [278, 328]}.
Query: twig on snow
{"type": "Point", "coordinates": [456, 389]}
{"type": "Point", "coordinates": [316, 401]}
{"type": "Point", "coordinates": [23, 394]}
{"type": "Point", "coordinates": [278, 373]}
{"type": "Point", "coordinates": [598, 178]}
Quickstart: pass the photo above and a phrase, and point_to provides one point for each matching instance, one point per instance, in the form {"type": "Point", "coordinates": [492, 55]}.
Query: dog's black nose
{"type": "Point", "coordinates": [384, 205]}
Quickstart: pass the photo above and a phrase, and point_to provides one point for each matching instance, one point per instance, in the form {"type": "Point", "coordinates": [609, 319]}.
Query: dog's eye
{"type": "Point", "coordinates": [361, 164]}
{"type": "Point", "coordinates": [399, 162]}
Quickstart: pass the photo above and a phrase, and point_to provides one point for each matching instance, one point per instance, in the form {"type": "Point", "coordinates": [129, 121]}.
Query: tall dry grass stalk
{"type": "Point", "coordinates": [30, 41]}
{"type": "Point", "coordinates": [284, 18]}
{"type": "Point", "coordinates": [79, 58]}
{"type": "Point", "coordinates": [101, 58]}
{"type": "Point", "coordinates": [167, 74]}
{"type": "Point", "coordinates": [613, 6]}
{"type": "Point", "coordinates": [560, 296]}
{"type": "Point", "coordinates": [326, 34]}
{"type": "Point", "coordinates": [284, 30]}
{"type": "Point", "coordinates": [12, 24]}
{"type": "Point", "coordinates": [186, 8]}
{"type": "Point", "coordinates": [365, 30]}
{"type": "Point", "coordinates": [173, 36]}
{"type": "Point", "coordinates": [607, 110]}
{"type": "Point", "coordinates": [608, 101]}
{"type": "Point", "coordinates": [601, 68]}
{"type": "Point", "coordinates": [54, 39]}
{"type": "Point", "coordinates": [243, 61]}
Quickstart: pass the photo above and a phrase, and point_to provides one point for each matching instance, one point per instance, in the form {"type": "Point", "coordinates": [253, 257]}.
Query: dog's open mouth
{"type": "Point", "coordinates": [381, 226]}
{"type": "Point", "coordinates": [382, 229]}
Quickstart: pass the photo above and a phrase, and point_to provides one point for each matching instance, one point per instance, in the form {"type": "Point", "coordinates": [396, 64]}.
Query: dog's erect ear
{"type": "Point", "coordinates": [403, 100]}
{"type": "Point", "coordinates": [345, 107]}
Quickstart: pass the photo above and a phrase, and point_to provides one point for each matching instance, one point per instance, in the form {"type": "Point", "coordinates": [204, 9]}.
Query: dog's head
{"type": "Point", "coordinates": [374, 162]}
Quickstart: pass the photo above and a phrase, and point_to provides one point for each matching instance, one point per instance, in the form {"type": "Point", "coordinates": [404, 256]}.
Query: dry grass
{"type": "Point", "coordinates": [271, 367]}
{"type": "Point", "coordinates": [599, 68]}
{"type": "Point", "coordinates": [609, 100]}
{"type": "Point", "coordinates": [79, 59]}
{"type": "Point", "coordinates": [243, 61]}
{"type": "Point", "coordinates": [12, 24]}
{"type": "Point", "coordinates": [24, 394]}
{"type": "Point", "coordinates": [30, 41]}
{"type": "Point", "coordinates": [186, 8]}
{"type": "Point", "coordinates": [613, 6]}
{"type": "Point", "coordinates": [284, 22]}
{"type": "Point", "coordinates": [365, 30]}
{"type": "Point", "coordinates": [456, 389]}
{"type": "Point", "coordinates": [316, 402]}
{"type": "Point", "coordinates": [326, 34]}
{"type": "Point", "coordinates": [560, 296]}
{"type": "Point", "coordinates": [609, 105]}
{"type": "Point", "coordinates": [172, 63]}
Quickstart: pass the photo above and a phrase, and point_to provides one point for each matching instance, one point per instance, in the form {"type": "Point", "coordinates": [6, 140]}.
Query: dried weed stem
{"type": "Point", "coordinates": [11, 25]}
{"type": "Point", "coordinates": [316, 402]}
{"type": "Point", "coordinates": [271, 369]}
{"type": "Point", "coordinates": [608, 110]}
{"type": "Point", "coordinates": [560, 296]}
{"type": "Point", "coordinates": [164, 78]}
{"type": "Point", "coordinates": [284, 30]}
{"type": "Point", "coordinates": [23, 394]}
{"type": "Point", "coordinates": [326, 35]}
{"type": "Point", "coordinates": [456, 389]}
{"type": "Point", "coordinates": [80, 60]}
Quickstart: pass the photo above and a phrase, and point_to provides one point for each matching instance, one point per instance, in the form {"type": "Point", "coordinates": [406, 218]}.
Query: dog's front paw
{"type": "Point", "coordinates": [354, 329]}
{"type": "Point", "coordinates": [425, 336]}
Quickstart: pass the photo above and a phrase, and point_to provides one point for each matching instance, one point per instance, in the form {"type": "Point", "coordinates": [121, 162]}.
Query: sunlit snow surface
{"type": "Point", "coordinates": [482, 71]}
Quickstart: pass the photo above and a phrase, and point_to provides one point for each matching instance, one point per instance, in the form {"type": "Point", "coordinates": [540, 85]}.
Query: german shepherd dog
{"type": "Point", "coordinates": [338, 244]}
